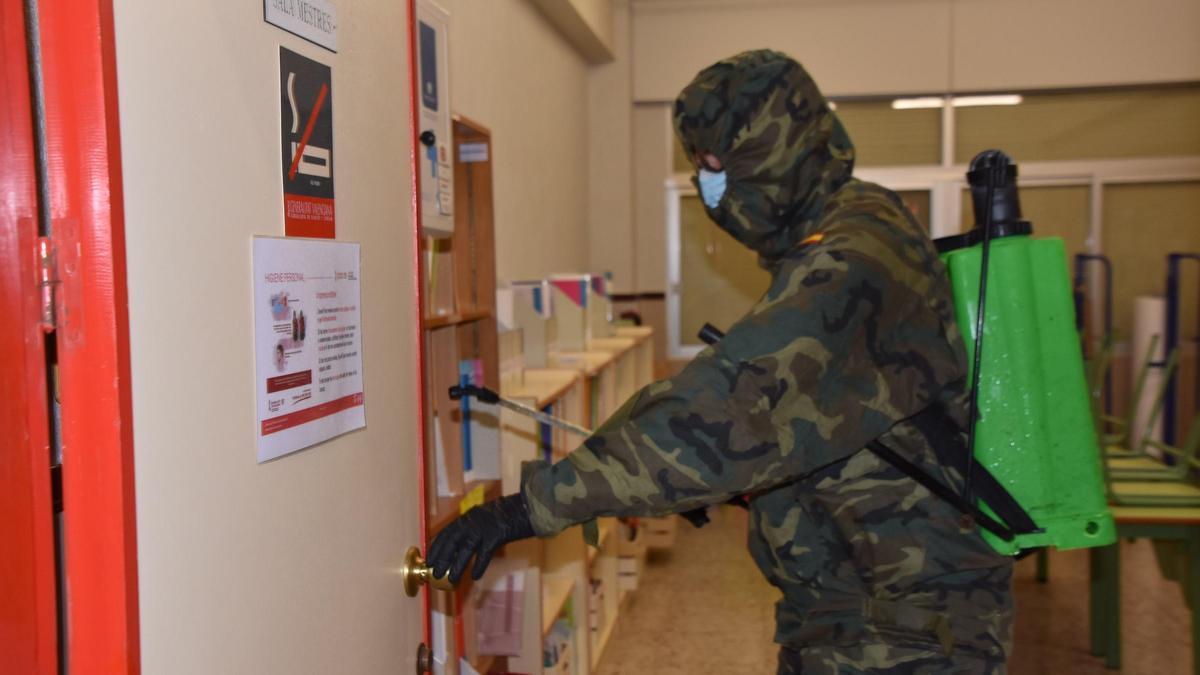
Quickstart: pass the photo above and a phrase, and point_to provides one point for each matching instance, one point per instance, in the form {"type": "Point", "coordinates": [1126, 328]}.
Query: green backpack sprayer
{"type": "Point", "coordinates": [1032, 428]}
{"type": "Point", "coordinates": [1032, 469]}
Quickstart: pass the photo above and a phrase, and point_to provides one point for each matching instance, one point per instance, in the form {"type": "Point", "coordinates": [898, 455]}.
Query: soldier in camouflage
{"type": "Point", "coordinates": [854, 341]}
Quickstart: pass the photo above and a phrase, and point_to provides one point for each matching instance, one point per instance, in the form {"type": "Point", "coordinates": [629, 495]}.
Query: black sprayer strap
{"type": "Point", "coordinates": [987, 488]}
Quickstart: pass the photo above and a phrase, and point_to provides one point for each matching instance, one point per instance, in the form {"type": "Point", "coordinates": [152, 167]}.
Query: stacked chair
{"type": "Point", "coordinates": [1141, 470]}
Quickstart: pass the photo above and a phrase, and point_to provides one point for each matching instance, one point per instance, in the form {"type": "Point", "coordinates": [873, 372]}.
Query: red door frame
{"type": "Point", "coordinates": [418, 287]}
{"type": "Point", "coordinates": [87, 221]}
{"type": "Point", "coordinates": [28, 641]}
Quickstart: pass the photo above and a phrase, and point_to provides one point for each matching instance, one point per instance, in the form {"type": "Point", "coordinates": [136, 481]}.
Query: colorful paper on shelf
{"type": "Point", "coordinates": [480, 429]}
{"type": "Point", "coordinates": [439, 452]}
{"type": "Point", "coordinates": [310, 383]}
{"type": "Point", "coordinates": [474, 498]}
{"type": "Point", "coordinates": [574, 289]}
{"type": "Point", "coordinates": [500, 615]}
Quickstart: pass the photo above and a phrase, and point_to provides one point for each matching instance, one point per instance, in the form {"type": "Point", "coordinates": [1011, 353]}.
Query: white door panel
{"type": "Point", "coordinates": [290, 566]}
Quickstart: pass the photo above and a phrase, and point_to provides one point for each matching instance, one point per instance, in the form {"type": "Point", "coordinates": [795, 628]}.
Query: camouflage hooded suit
{"type": "Point", "coordinates": [854, 340]}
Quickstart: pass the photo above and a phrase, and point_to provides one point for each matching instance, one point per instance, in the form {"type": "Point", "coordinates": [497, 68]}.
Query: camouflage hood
{"type": "Point", "coordinates": [784, 152]}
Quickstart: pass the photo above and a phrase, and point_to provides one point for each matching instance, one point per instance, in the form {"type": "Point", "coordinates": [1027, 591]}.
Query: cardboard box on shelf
{"type": "Point", "coordinates": [528, 306]}
{"type": "Point", "coordinates": [570, 293]}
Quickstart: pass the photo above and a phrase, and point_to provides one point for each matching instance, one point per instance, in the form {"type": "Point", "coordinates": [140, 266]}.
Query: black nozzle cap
{"type": "Point", "coordinates": [482, 393]}
{"type": "Point", "coordinates": [710, 334]}
{"type": "Point", "coordinates": [994, 166]}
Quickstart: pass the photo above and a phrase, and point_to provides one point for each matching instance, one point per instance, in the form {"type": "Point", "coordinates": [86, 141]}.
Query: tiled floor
{"type": "Point", "coordinates": [704, 608]}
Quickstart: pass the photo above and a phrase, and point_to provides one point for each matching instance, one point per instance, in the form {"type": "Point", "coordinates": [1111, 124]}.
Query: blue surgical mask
{"type": "Point", "coordinates": [712, 187]}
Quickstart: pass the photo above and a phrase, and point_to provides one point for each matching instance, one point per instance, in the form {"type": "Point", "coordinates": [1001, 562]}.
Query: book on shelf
{"type": "Point", "coordinates": [480, 429]}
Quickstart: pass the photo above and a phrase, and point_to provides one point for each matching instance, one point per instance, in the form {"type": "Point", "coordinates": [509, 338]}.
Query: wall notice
{"type": "Point", "coordinates": [306, 138]}
{"type": "Point", "coordinates": [313, 20]}
{"type": "Point", "coordinates": [307, 343]}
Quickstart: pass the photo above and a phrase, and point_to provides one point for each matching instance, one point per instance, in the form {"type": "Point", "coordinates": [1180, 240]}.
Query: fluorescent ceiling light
{"type": "Point", "coordinates": [994, 99]}
{"type": "Point", "coordinates": [917, 103]}
{"type": "Point", "coordinates": [956, 101]}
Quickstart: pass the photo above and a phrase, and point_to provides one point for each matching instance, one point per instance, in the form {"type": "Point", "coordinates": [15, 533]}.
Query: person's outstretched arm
{"type": "Point", "coordinates": [844, 344]}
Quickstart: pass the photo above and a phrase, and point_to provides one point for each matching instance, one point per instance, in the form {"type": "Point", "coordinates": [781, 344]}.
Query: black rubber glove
{"type": "Point", "coordinates": [697, 517]}
{"type": "Point", "coordinates": [478, 532]}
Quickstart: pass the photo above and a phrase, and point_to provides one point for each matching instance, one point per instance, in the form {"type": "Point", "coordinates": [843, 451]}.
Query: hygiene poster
{"type": "Point", "coordinates": [307, 343]}
{"type": "Point", "coordinates": [306, 138]}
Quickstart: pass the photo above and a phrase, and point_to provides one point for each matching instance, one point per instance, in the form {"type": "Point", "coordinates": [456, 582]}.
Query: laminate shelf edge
{"type": "Point", "coordinates": [590, 363]}
{"type": "Point", "coordinates": [432, 322]}
{"type": "Point", "coordinates": [602, 641]}
{"type": "Point", "coordinates": [543, 385]}
{"type": "Point", "coordinates": [555, 593]}
{"type": "Point", "coordinates": [619, 346]}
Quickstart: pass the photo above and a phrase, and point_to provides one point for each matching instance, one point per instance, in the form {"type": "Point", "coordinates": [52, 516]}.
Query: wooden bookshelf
{"type": "Point", "coordinates": [461, 340]}
{"type": "Point", "coordinates": [643, 339]}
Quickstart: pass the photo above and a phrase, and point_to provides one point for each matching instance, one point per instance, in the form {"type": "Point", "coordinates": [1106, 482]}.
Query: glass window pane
{"type": "Point", "coordinates": [886, 137]}
{"type": "Point", "coordinates": [881, 136]}
{"type": "Point", "coordinates": [1159, 122]}
{"type": "Point", "coordinates": [1142, 224]}
{"type": "Point", "coordinates": [720, 278]}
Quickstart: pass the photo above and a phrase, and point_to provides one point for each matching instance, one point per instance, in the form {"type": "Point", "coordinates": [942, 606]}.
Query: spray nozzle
{"type": "Point", "coordinates": [993, 167]}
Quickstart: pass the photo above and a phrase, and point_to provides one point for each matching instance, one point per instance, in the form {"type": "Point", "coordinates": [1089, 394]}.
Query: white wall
{"type": "Point", "coordinates": [1074, 43]}
{"type": "Point", "coordinates": [652, 137]}
{"type": "Point", "coordinates": [599, 17]}
{"type": "Point", "coordinates": [858, 47]}
{"type": "Point", "coordinates": [512, 72]}
{"type": "Point", "coordinates": [849, 47]}
{"type": "Point", "coordinates": [882, 47]}
{"type": "Point", "coordinates": [289, 566]}
{"type": "Point", "coordinates": [611, 240]}
{"type": "Point", "coordinates": [586, 24]}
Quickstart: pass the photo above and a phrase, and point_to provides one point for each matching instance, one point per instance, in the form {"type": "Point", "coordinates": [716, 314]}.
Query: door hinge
{"type": "Point", "coordinates": [47, 281]}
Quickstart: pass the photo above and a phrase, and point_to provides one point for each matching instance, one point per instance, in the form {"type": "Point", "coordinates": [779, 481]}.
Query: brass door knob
{"type": "Point", "coordinates": [416, 574]}
{"type": "Point", "coordinates": [424, 659]}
